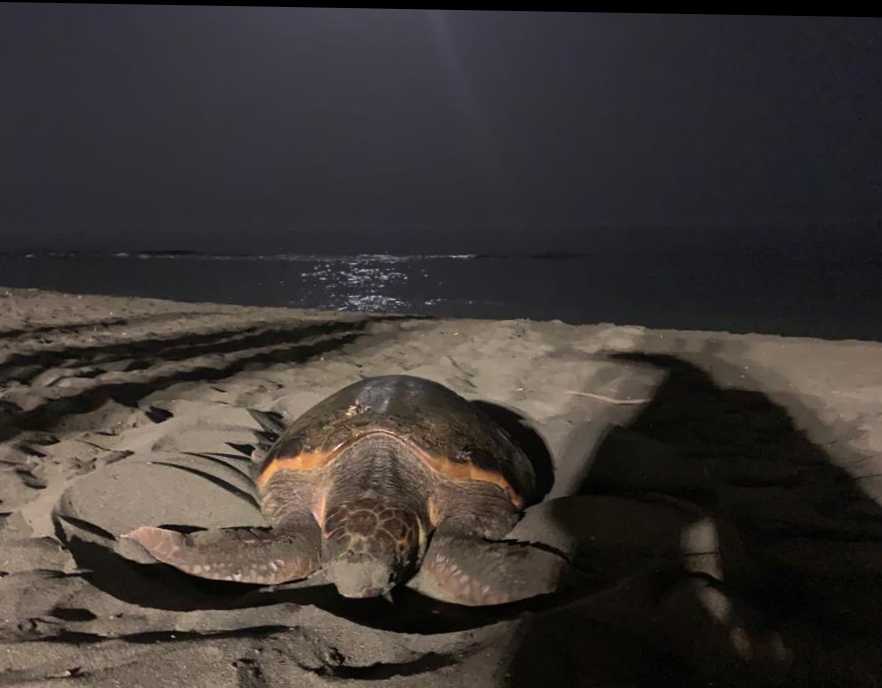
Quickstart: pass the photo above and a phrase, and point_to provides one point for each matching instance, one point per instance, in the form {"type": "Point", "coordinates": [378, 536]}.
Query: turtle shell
{"type": "Point", "coordinates": [448, 433]}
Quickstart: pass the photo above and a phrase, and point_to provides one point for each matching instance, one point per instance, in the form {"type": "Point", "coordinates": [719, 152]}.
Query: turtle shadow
{"type": "Point", "coordinates": [720, 428]}
{"type": "Point", "coordinates": [527, 439]}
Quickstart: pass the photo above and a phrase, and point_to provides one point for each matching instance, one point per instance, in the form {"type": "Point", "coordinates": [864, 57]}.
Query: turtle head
{"type": "Point", "coordinates": [371, 546]}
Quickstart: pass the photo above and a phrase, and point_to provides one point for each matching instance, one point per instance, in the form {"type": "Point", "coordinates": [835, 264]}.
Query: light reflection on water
{"type": "Point", "coordinates": [414, 284]}
{"type": "Point", "coordinates": [365, 283]}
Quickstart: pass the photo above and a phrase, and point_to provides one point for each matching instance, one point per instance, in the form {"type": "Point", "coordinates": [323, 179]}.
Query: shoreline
{"type": "Point", "coordinates": [108, 300]}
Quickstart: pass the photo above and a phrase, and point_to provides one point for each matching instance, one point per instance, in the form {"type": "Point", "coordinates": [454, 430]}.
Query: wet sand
{"type": "Point", "coordinates": [723, 491]}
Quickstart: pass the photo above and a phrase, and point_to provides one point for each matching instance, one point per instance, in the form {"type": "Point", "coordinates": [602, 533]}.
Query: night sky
{"type": "Point", "coordinates": [262, 130]}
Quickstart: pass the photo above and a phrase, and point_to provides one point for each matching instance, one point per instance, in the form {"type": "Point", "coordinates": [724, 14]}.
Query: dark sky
{"type": "Point", "coordinates": [292, 129]}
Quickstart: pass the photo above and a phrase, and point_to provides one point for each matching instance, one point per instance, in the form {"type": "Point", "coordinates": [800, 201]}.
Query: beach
{"type": "Point", "coordinates": [723, 490]}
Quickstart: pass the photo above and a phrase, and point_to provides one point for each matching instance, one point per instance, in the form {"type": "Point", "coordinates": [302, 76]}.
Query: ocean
{"type": "Point", "coordinates": [769, 293]}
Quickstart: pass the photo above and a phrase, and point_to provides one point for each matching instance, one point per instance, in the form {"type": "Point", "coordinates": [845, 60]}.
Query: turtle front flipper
{"type": "Point", "coordinates": [469, 570]}
{"type": "Point", "coordinates": [244, 555]}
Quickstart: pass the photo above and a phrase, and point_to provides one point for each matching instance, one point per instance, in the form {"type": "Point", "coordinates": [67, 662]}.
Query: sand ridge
{"type": "Point", "coordinates": [738, 474]}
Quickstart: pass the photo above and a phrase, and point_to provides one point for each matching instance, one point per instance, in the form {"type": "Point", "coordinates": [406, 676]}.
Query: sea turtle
{"type": "Point", "coordinates": [391, 480]}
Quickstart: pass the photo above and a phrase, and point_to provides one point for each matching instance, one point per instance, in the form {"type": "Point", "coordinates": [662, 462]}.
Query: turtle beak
{"type": "Point", "coordinates": [361, 578]}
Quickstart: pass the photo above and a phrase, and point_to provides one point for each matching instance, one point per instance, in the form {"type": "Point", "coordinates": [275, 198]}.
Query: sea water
{"type": "Point", "coordinates": [677, 290]}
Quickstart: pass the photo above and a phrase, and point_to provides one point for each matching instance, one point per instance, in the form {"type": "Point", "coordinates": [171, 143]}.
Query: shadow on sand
{"type": "Point", "coordinates": [795, 540]}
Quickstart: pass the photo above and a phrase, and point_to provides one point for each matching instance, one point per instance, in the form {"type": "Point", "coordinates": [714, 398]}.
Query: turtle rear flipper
{"type": "Point", "coordinates": [472, 571]}
{"type": "Point", "coordinates": [243, 555]}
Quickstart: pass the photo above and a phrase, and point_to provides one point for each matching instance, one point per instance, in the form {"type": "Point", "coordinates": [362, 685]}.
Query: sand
{"type": "Point", "coordinates": [722, 491]}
